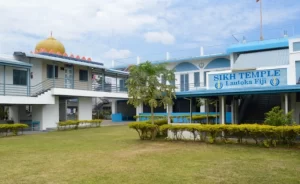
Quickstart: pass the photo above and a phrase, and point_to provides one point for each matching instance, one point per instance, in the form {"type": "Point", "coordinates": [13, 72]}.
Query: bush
{"type": "Point", "coordinates": [146, 130]}
{"type": "Point", "coordinates": [13, 128]}
{"type": "Point", "coordinates": [276, 117]}
{"type": "Point", "coordinates": [74, 124]}
{"type": "Point", "coordinates": [265, 135]}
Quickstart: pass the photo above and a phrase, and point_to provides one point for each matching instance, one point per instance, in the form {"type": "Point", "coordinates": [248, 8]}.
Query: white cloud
{"type": "Point", "coordinates": [117, 54]}
{"type": "Point", "coordinates": [163, 37]}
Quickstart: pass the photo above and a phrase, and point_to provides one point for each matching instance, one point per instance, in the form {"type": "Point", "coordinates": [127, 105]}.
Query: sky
{"type": "Point", "coordinates": [121, 30]}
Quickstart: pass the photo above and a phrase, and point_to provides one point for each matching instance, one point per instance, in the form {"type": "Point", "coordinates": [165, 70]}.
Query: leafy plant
{"type": "Point", "coordinates": [144, 86]}
{"type": "Point", "coordinates": [276, 117]}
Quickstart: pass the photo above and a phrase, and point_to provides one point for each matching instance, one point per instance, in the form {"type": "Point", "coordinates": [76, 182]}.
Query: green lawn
{"type": "Point", "coordinates": [115, 155]}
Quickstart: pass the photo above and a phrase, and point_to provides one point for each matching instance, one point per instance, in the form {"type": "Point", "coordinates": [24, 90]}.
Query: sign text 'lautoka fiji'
{"type": "Point", "coordinates": [253, 78]}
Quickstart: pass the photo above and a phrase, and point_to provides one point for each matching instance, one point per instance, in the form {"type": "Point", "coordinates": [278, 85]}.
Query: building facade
{"type": "Point", "coordinates": [46, 86]}
{"type": "Point", "coordinates": [245, 82]}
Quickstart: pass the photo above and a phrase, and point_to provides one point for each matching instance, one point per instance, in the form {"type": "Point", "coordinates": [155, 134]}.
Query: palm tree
{"type": "Point", "coordinates": [144, 86]}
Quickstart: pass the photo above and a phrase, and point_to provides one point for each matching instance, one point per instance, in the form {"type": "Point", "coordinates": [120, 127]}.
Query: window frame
{"type": "Point", "coordinates": [83, 78]}
{"type": "Point", "coordinates": [50, 74]}
{"type": "Point", "coordinates": [22, 80]}
{"type": "Point", "coordinates": [197, 83]}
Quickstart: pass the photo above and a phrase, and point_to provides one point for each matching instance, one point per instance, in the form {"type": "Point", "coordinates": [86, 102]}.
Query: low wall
{"type": "Point", "coordinates": [146, 116]}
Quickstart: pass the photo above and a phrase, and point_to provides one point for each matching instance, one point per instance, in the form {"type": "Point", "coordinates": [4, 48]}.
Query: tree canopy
{"type": "Point", "coordinates": [145, 87]}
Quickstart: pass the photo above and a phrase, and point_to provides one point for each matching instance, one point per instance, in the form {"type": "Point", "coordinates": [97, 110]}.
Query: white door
{"type": "Point", "coordinates": [69, 77]}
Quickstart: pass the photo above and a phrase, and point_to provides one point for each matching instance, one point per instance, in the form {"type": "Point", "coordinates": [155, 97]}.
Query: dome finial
{"type": "Point", "coordinates": [51, 34]}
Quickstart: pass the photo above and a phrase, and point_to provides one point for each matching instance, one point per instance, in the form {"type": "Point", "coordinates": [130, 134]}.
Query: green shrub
{"type": "Point", "coordinates": [276, 117]}
{"type": "Point", "coordinates": [264, 134]}
{"type": "Point", "coordinates": [13, 128]}
{"type": "Point", "coordinates": [74, 124]}
{"type": "Point", "coordinates": [144, 130]}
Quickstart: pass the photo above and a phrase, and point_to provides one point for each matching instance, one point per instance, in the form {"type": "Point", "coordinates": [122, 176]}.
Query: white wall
{"type": "Point", "coordinates": [14, 113]}
{"type": "Point", "coordinates": [85, 108]}
{"type": "Point", "coordinates": [37, 71]}
{"type": "Point", "coordinates": [47, 115]}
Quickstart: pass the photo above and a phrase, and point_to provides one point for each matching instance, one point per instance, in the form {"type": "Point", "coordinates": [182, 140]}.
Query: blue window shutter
{"type": "Point", "coordinates": [196, 79]}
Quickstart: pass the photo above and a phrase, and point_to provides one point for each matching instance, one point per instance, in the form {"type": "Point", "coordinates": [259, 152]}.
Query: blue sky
{"type": "Point", "coordinates": [119, 29]}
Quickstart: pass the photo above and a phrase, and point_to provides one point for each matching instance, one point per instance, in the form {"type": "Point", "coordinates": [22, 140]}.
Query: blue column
{"type": "Point", "coordinates": [4, 80]}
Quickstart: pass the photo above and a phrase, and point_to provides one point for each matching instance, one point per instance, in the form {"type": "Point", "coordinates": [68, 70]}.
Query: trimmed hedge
{"type": "Point", "coordinates": [74, 124]}
{"type": "Point", "coordinates": [146, 130]}
{"type": "Point", "coordinates": [14, 128]}
{"type": "Point", "coordinates": [261, 134]}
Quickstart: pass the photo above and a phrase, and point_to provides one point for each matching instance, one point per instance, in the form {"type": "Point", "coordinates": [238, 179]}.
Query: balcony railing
{"type": "Point", "coordinates": [40, 88]}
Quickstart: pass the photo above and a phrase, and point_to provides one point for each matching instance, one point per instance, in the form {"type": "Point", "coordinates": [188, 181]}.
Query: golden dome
{"type": "Point", "coordinates": [51, 44]}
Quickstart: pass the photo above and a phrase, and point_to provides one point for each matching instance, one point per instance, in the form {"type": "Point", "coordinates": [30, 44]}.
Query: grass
{"type": "Point", "coordinates": [115, 155]}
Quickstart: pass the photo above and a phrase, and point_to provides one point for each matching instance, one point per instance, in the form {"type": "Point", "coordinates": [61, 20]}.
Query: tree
{"type": "Point", "coordinates": [144, 86]}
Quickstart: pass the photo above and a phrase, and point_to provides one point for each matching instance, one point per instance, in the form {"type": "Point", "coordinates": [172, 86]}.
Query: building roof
{"type": "Point", "coordinates": [10, 61]}
{"type": "Point", "coordinates": [259, 45]}
{"type": "Point", "coordinates": [262, 59]}
{"type": "Point", "coordinates": [63, 60]}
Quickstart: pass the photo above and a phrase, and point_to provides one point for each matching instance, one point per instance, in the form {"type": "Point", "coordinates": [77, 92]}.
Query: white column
{"type": "Point", "coordinates": [113, 106]}
{"type": "Point", "coordinates": [13, 113]}
{"type": "Point", "coordinates": [169, 111]}
{"type": "Point", "coordinates": [47, 115]}
{"type": "Point", "coordinates": [139, 109]}
{"type": "Point", "coordinates": [113, 63]}
{"type": "Point", "coordinates": [167, 56]}
{"type": "Point", "coordinates": [222, 109]}
{"type": "Point", "coordinates": [138, 60]}
{"type": "Point", "coordinates": [286, 103]}
{"type": "Point", "coordinates": [201, 51]}
{"type": "Point", "coordinates": [85, 108]}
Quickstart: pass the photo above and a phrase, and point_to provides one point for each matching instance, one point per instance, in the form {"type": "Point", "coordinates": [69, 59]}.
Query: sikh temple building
{"type": "Point", "coordinates": [46, 85]}
{"type": "Point", "coordinates": [40, 88]}
{"type": "Point", "coordinates": [242, 84]}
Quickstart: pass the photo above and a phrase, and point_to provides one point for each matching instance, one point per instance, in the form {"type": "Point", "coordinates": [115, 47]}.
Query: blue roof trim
{"type": "Point", "coordinates": [68, 61]}
{"type": "Point", "coordinates": [240, 91]}
{"type": "Point", "coordinates": [117, 71]}
{"type": "Point", "coordinates": [259, 45]}
{"type": "Point", "coordinates": [185, 66]}
{"type": "Point", "coordinates": [218, 63]}
{"type": "Point", "coordinates": [69, 58]}
{"type": "Point", "coordinates": [14, 63]}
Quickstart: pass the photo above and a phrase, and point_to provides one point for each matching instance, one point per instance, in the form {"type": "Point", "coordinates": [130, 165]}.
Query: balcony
{"type": "Point", "coordinates": [36, 90]}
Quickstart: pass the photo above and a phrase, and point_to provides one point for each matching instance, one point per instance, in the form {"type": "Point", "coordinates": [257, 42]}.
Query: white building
{"type": "Point", "coordinates": [37, 86]}
{"type": "Point", "coordinates": [247, 80]}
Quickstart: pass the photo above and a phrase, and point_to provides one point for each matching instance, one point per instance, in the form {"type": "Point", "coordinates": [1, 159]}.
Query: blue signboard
{"type": "Point", "coordinates": [250, 78]}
